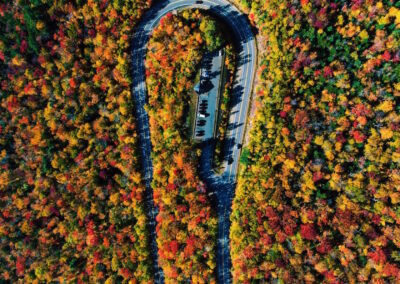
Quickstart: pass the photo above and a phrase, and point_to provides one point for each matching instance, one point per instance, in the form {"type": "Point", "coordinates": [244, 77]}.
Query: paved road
{"type": "Point", "coordinates": [223, 185]}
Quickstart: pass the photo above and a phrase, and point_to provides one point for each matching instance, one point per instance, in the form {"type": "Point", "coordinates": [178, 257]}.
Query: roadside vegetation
{"type": "Point", "coordinates": [318, 194]}
{"type": "Point", "coordinates": [224, 105]}
{"type": "Point", "coordinates": [186, 223]}
{"type": "Point", "coordinates": [319, 191]}
{"type": "Point", "coordinates": [70, 185]}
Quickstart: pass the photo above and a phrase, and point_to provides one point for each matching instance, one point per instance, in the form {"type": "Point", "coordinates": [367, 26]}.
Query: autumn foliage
{"type": "Point", "coordinates": [186, 223]}
{"type": "Point", "coordinates": [319, 189]}
{"type": "Point", "coordinates": [70, 184]}
{"type": "Point", "coordinates": [318, 200]}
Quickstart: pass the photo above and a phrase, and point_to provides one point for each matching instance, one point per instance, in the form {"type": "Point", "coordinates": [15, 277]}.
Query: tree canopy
{"type": "Point", "coordinates": [186, 223]}
{"type": "Point", "coordinates": [318, 198]}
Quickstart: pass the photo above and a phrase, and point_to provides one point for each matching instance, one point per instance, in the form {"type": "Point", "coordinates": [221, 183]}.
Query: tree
{"type": "Point", "coordinates": [212, 34]}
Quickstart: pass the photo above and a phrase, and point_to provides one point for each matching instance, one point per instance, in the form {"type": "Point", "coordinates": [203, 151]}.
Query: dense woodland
{"type": "Point", "coordinates": [318, 195]}
{"type": "Point", "coordinates": [319, 189]}
{"type": "Point", "coordinates": [70, 184]}
{"type": "Point", "coordinates": [186, 229]}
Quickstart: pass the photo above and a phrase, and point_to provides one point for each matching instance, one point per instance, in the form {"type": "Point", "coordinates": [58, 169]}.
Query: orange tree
{"type": "Point", "coordinates": [318, 196]}
{"type": "Point", "coordinates": [186, 228]}
{"type": "Point", "coordinates": [70, 186]}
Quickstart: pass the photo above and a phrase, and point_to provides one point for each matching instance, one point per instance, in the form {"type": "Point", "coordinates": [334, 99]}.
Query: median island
{"type": "Point", "coordinates": [187, 224]}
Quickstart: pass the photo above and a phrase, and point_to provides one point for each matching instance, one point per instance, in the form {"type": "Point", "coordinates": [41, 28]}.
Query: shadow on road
{"type": "Point", "coordinates": [237, 95]}
{"type": "Point", "coordinates": [220, 193]}
{"type": "Point", "coordinates": [229, 17]}
{"type": "Point", "coordinates": [220, 188]}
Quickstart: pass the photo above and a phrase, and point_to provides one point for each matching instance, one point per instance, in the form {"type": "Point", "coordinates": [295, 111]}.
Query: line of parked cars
{"type": "Point", "coordinates": [204, 85]}
{"type": "Point", "coordinates": [202, 114]}
{"type": "Point", "coordinates": [203, 108]}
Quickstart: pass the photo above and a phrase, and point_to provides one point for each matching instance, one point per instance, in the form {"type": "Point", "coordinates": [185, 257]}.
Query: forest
{"type": "Point", "coordinates": [187, 224]}
{"type": "Point", "coordinates": [70, 184]}
{"type": "Point", "coordinates": [71, 189]}
{"type": "Point", "coordinates": [318, 194]}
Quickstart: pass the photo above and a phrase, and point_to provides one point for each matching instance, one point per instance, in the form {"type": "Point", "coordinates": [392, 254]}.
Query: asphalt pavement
{"type": "Point", "coordinates": [221, 186]}
{"type": "Point", "coordinates": [208, 95]}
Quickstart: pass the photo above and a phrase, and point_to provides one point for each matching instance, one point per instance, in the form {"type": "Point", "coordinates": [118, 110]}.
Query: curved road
{"type": "Point", "coordinates": [222, 185]}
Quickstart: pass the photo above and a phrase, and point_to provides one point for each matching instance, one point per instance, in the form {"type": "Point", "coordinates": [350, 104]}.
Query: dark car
{"type": "Point", "coordinates": [230, 160]}
{"type": "Point", "coordinates": [199, 2]}
{"type": "Point", "coordinates": [239, 146]}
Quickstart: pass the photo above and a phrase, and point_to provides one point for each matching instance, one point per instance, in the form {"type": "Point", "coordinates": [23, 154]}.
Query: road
{"type": "Point", "coordinates": [222, 185]}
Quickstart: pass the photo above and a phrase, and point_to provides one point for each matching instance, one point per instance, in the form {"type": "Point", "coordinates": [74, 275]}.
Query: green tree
{"type": "Point", "coordinates": [212, 33]}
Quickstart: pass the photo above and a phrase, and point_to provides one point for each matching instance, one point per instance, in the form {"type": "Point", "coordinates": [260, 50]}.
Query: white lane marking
{"type": "Point", "coordinates": [140, 62]}
{"type": "Point", "coordinates": [247, 91]}
{"type": "Point", "coordinates": [236, 131]}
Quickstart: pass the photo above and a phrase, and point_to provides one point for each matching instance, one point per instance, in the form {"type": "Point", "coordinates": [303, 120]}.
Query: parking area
{"type": "Point", "coordinates": [208, 95]}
